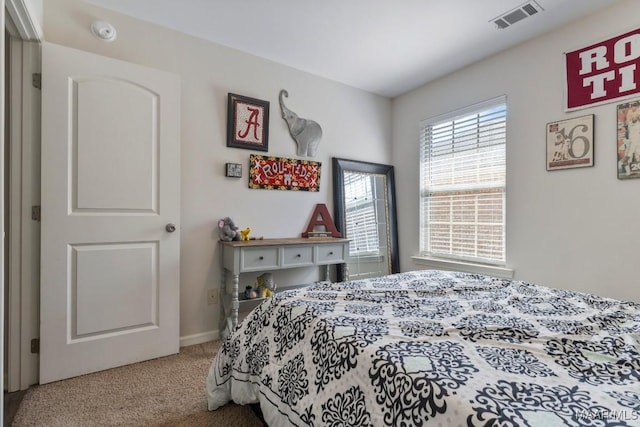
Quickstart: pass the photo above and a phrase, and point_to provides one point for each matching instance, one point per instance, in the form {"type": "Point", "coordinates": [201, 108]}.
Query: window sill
{"type": "Point", "coordinates": [467, 267]}
{"type": "Point", "coordinates": [374, 259]}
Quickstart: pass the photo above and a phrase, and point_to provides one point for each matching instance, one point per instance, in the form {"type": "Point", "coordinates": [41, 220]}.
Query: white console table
{"type": "Point", "coordinates": [272, 254]}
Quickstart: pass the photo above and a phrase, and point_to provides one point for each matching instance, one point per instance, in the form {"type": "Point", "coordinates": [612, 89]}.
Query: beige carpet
{"type": "Point", "coordinates": [169, 391]}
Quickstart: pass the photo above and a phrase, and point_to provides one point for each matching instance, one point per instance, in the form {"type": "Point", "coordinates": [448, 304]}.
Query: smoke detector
{"type": "Point", "coordinates": [521, 12]}
{"type": "Point", "coordinates": [104, 31]}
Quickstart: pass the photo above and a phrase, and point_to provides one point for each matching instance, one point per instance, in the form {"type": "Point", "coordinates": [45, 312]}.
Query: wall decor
{"type": "Point", "coordinates": [603, 72]}
{"type": "Point", "coordinates": [629, 140]}
{"type": "Point", "coordinates": [247, 123]}
{"type": "Point", "coordinates": [306, 133]}
{"type": "Point", "coordinates": [233, 170]}
{"type": "Point", "coordinates": [280, 173]}
{"type": "Point", "coordinates": [321, 224]}
{"type": "Point", "coordinates": [570, 143]}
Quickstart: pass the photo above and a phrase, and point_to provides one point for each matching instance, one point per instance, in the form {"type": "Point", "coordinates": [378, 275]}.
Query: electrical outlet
{"type": "Point", "coordinates": [212, 296]}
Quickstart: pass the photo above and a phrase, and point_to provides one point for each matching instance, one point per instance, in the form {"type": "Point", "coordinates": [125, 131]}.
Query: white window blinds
{"type": "Point", "coordinates": [362, 219]}
{"type": "Point", "coordinates": [462, 184]}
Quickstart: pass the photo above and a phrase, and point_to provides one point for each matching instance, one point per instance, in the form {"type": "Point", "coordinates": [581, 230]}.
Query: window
{"type": "Point", "coordinates": [462, 184]}
{"type": "Point", "coordinates": [361, 214]}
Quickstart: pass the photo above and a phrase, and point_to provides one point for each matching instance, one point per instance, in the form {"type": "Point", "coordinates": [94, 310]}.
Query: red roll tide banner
{"type": "Point", "coordinates": [281, 173]}
{"type": "Point", "coordinates": [603, 72]}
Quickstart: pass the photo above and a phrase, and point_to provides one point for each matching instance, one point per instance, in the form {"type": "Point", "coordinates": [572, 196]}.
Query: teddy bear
{"type": "Point", "coordinates": [227, 230]}
{"type": "Point", "coordinates": [265, 285]}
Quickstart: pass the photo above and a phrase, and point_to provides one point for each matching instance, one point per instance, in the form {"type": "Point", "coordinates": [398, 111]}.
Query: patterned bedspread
{"type": "Point", "coordinates": [434, 348]}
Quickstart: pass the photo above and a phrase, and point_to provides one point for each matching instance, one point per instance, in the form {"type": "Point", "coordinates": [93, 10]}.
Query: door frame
{"type": "Point", "coordinates": [24, 191]}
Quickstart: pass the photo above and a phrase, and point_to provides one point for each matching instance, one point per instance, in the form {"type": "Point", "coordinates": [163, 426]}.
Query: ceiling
{"type": "Point", "coordinates": [387, 47]}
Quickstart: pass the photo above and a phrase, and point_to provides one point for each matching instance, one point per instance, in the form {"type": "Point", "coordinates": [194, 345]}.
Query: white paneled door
{"type": "Point", "coordinates": [110, 264]}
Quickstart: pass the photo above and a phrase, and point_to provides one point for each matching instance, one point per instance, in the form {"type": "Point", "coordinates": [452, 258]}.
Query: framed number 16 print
{"type": "Point", "coordinates": [247, 123]}
{"type": "Point", "coordinates": [570, 143]}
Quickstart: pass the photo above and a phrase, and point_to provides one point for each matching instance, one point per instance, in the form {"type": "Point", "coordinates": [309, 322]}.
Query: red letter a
{"type": "Point", "coordinates": [322, 217]}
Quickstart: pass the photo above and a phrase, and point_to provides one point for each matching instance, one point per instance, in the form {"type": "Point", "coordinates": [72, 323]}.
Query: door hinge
{"type": "Point", "coordinates": [35, 213]}
{"type": "Point", "coordinates": [35, 345]}
{"type": "Point", "coordinates": [36, 80]}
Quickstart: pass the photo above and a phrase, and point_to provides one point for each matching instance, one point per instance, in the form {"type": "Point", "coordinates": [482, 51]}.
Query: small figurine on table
{"type": "Point", "coordinates": [265, 285]}
{"type": "Point", "coordinates": [244, 234]}
{"type": "Point", "coordinates": [250, 293]}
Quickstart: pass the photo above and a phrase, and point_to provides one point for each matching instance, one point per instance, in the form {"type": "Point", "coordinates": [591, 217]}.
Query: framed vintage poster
{"type": "Point", "coordinates": [280, 173]}
{"type": "Point", "coordinates": [629, 140]}
{"type": "Point", "coordinates": [570, 143]}
{"type": "Point", "coordinates": [247, 123]}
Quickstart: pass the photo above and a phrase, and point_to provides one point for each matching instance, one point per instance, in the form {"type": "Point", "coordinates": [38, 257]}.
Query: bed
{"type": "Point", "coordinates": [434, 348]}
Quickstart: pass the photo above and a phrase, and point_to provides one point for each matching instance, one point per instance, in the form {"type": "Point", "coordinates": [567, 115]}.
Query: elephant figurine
{"type": "Point", "coordinates": [306, 133]}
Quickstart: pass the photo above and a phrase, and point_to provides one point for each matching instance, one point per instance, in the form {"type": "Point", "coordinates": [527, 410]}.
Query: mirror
{"type": "Point", "coordinates": [365, 213]}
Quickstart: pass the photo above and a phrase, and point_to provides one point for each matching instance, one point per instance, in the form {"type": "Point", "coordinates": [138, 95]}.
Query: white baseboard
{"type": "Point", "coordinates": [199, 338]}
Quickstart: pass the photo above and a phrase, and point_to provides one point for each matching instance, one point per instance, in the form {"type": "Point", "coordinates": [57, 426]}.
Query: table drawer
{"type": "Point", "coordinates": [259, 259]}
{"type": "Point", "coordinates": [332, 253]}
{"type": "Point", "coordinates": [297, 256]}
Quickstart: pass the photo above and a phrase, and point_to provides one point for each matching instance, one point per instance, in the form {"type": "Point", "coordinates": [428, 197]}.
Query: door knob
{"type": "Point", "coordinates": [170, 227]}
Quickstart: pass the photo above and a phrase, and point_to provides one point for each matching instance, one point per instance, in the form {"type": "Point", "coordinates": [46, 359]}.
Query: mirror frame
{"type": "Point", "coordinates": [339, 167]}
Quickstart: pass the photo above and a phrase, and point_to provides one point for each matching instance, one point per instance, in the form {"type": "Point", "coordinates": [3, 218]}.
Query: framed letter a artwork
{"type": "Point", "coordinates": [247, 123]}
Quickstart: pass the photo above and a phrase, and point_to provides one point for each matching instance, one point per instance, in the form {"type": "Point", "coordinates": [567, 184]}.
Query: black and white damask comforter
{"type": "Point", "coordinates": [434, 348]}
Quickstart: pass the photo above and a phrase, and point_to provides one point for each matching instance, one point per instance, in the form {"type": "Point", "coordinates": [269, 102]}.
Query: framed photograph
{"type": "Point", "coordinates": [629, 140]}
{"type": "Point", "coordinates": [247, 123]}
{"type": "Point", "coordinates": [233, 170]}
{"type": "Point", "coordinates": [570, 143]}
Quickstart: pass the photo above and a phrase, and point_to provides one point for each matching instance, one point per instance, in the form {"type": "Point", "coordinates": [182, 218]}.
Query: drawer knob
{"type": "Point", "coordinates": [261, 258]}
{"type": "Point", "coordinates": [298, 256]}
{"type": "Point", "coordinates": [331, 253]}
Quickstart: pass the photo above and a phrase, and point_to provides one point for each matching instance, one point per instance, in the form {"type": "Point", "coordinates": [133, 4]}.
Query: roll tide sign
{"type": "Point", "coordinates": [603, 72]}
{"type": "Point", "coordinates": [281, 173]}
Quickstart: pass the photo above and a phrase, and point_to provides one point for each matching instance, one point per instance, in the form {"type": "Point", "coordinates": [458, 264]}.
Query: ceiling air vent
{"type": "Point", "coordinates": [515, 15]}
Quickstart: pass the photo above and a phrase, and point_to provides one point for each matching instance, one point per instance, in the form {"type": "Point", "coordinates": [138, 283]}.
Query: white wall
{"type": "Point", "coordinates": [568, 229]}
{"type": "Point", "coordinates": [572, 229]}
{"type": "Point", "coordinates": [37, 7]}
{"type": "Point", "coordinates": [356, 125]}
